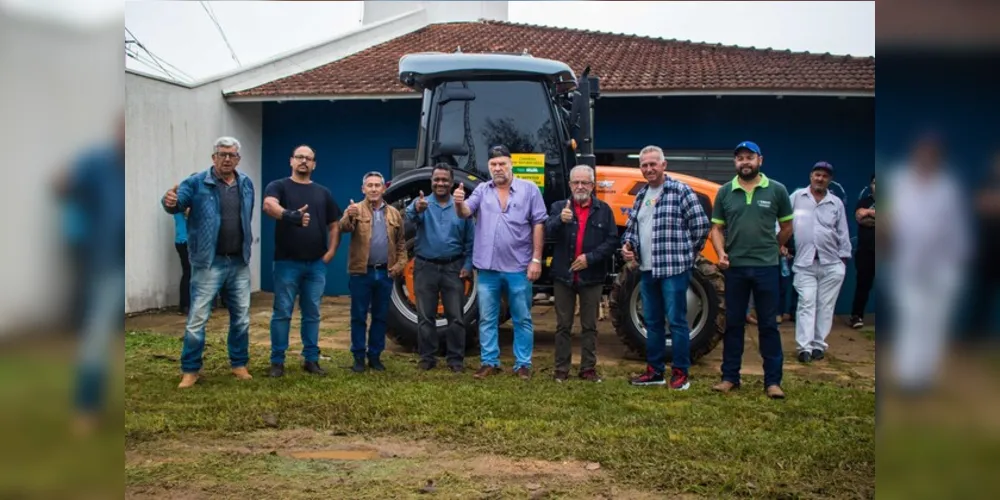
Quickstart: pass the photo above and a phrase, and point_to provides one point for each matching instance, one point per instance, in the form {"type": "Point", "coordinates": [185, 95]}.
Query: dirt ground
{"type": "Point", "coordinates": [851, 355]}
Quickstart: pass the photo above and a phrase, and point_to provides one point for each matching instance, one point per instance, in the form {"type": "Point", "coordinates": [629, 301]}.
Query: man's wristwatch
{"type": "Point", "coordinates": [536, 261]}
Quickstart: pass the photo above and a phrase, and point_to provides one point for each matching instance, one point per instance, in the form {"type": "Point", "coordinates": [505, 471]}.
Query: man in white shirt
{"type": "Point", "coordinates": [822, 248]}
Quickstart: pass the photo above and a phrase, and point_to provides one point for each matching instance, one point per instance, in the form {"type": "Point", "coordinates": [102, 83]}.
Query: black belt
{"type": "Point", "coordinates": [441, 262]}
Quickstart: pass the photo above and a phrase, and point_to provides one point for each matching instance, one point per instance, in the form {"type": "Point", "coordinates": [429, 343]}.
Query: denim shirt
{"type": "Point", "coordinates": [200, 193]}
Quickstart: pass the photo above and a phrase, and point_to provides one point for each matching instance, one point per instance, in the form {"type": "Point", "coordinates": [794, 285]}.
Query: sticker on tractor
{"type": "Point", "coordinates": [530, 167]}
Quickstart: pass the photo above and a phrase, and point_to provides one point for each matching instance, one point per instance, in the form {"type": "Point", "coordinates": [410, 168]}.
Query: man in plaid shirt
{"type": "Point", "coordinates": [666, 230]}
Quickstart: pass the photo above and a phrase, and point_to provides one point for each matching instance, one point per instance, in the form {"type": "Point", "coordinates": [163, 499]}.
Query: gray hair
{"type": "Point", "coordinates": [653, 149]}
{"type": "Point", "coordinates": [583, 168]}
{"type": "Point", "coordinates": [372, 174]}
{"type": "Point", "coordinates": [226, 142]}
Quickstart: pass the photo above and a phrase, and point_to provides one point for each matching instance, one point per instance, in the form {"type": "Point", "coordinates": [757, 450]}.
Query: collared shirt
{"type": "Point", "coordinates": [504, 240]}
{"type": "Point", "coordinates": [820, 229]}
{"type": "Point", "coordinates": [582, 215]}
{"type": "Point", "coordinates": [680, 227]}
{"type": "Point", "coordinates": [230, 227]}
{"type": "Point", "coordinates": [378, 253]}
{"type": "Point", "coordinates": [749, 219]}
{"type": "Point", "coordinates": [441, 233]}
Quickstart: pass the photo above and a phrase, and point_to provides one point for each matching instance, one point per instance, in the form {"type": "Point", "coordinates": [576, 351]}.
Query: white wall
{"type": "Point", "coordinates": [437, 12]}
{"type": "Point", "coordinates": [170, 133]}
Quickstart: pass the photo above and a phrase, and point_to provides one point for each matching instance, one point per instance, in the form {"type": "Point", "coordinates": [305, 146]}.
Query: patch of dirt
{"type": "Point", "coordinates": [853, 352]}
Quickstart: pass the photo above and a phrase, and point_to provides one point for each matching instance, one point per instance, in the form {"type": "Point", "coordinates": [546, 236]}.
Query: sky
{"type": "Point", "coordinates": [183, 34]}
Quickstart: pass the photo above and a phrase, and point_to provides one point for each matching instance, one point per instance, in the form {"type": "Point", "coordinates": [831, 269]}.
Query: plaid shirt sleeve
{"type": "Point", "coordinates": [631, 234]}
{"type": "Point", "coordinates": [698, 224]}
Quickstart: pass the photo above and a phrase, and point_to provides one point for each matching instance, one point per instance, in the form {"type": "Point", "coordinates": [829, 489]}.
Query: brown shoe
{"type": "Point", "coordinates": [242, 373]}
{"type": "Point", "coordinates": [187, 380]}
{"type": "Point", "coordinates": [775, 392]}
{"type": "Point", "coordinates": [524, 372]}
{"type": "Point", "coordinates": [725, 386]}
{"type": "Point", "coordinates": [486, 371]}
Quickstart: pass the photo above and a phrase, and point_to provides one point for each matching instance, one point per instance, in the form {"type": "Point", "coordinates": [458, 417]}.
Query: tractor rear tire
{"type": "Point", "coordinates": [708, 319]}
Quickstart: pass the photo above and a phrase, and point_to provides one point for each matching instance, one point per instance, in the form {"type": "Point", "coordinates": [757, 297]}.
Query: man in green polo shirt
{"type": "Point", "coordinates": [743, 219]}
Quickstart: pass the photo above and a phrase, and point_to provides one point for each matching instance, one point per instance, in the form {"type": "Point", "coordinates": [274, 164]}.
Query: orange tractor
{"type": "Point", "coordinates": [543, 113]}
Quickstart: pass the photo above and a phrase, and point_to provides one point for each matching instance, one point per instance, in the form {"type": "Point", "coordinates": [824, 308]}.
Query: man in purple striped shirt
{"type": "Point", "coordinates": [510, 232]}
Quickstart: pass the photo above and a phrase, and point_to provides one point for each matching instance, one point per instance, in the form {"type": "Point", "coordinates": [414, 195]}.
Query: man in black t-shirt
{"type": "Point", "coordinates": [305, 241]}
{"type": "Point", "coordinates": [864, 261]}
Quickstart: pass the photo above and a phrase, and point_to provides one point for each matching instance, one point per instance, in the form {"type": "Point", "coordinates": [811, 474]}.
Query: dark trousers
{"type": "Point", "coordinates": [763, 283]}
{"type": "Point", "coordinates": [429, 281]}
{"type": "Point", "coordinates": [369, 291]}
{"type": "Point", "coordinates": [865, 277]}
{"type": "Point", "coordinates": [182, 251]}
{"type": "Point", "coordinates": [590, 299]}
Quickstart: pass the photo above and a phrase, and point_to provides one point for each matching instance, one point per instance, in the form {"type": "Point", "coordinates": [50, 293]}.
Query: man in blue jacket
{"type": "Point", "coordinates": [221, 201]}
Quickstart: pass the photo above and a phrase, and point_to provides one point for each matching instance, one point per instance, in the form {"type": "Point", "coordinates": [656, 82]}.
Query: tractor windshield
{"type": "Point", "coordinates": [468, 117]}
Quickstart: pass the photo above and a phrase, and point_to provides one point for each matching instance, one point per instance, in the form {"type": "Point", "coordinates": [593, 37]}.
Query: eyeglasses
{"type": "Point", "coordinates": [227, 155]}
{"type": "Point", "coordinates": [303, 157]}
{"type": "Point", "coordinates": [581, 183]}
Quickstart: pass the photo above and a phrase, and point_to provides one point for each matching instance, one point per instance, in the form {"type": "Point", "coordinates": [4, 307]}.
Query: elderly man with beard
{"type": "Point", "coordinates": [743, 217]}
{"type": "Point", "coordinates": [586, 237]}
{"type": "Point", "coordinates": [822, 248]}
{"type": "Point", "coordinates": [665, 232]}
{"type": "Point", "coordinates": [510, 234]}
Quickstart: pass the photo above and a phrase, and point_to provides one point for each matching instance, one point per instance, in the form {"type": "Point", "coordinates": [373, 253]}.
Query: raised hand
{"type": "Point", "coordinates": [305, 215]}
{"type": "Point", "coordinates": [352, 210]}
{"type": "Point", "coordinates": [459, 194]}
{"type": "Point", "coordinates": [421, 204]}
{"type": "Point", "coordinates": [567, 213]}
{"type": "Point", "coordinates": [170, 198]}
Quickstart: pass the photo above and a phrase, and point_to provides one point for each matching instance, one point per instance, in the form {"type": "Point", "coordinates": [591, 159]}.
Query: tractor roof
{"type": "Point", "coordinates": [421, 70]}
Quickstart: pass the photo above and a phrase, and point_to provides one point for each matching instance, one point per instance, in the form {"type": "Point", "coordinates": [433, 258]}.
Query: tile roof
{"type": "Point", "coordinates": [625, 63]}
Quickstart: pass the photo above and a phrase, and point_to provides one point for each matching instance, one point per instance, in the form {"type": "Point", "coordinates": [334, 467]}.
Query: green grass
{"type": "Point", "coordinates": [818, 443]}
{"type": "Point", "coordinates": [868, 333]}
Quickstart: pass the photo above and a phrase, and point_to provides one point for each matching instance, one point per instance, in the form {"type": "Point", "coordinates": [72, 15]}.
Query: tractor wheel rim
{"type": "Point", "coordinates": [697, 298]}
{"type": "Point", "coordinates": [408, 308]}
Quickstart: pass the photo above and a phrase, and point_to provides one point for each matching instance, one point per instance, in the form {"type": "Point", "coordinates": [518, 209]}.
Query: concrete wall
{"type": "Point", "coordinates": [170, 133]}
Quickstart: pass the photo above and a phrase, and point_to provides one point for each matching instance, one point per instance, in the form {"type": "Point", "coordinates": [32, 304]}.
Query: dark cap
{"type": "Point", "coordinates": [749, 146]}
{"type": "Point", "coordinates": [498, 151]}
{"type": "Point", "coordinates": [822, 165]}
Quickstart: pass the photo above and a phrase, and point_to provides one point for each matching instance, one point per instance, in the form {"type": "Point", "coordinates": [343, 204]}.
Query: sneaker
{"type": "Point", "coordinates": [804, 357]}
{"type": "Point", "coordinates": [425, 366]}
{"type": "Point", "coordinates": [561, 376]}
{"type": "Point", "coordinates": [857, 322]}
{"type": "Point", "coordinates": [651, 377]}
{"type": "Point", "coordinates": [591, 375]}
{"type": "Point", "coordinates": [818, 354]}
{"type": "Point", "coordinates": [679, 380]}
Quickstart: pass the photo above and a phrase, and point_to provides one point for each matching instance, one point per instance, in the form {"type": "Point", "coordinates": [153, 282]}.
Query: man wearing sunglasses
{"type": "Point", "coordinates": [510, 233]}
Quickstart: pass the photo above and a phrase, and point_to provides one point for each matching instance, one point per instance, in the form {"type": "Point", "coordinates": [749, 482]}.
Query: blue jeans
{"type": "Point", "coordinates": [763, 283]}
{"type": "Point", "coordinates": [101, 320]}
{"type": "Point", "coordinates": [369, 291]}
{"type": "Point", "coordinates": [492, 284]}
{"type": "Point", "coordinates": [231, 274]}
{"type": "Point", "coordinates": [307, 281]}
{"type": "Point", "coordinates": [665, 300]}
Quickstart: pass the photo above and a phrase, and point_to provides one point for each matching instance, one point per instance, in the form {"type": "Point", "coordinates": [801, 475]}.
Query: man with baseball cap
{"type": "Point", "coordinates": [509, 236]}
{"type": "Point", "coordinates": [822, 248]}
{"type": "Point", "coordinates": [743, 216]}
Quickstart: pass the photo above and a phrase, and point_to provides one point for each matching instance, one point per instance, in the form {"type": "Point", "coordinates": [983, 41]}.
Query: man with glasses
{"type": "Point", "coordinates": [306, 236]}
{"type": "Point", "coordinates": [665, 232]}
{"type": "Point", "coordinates": [510, 233]}
{"type": "Point", "coordinates": [221, 200]}
{"type": "Point", "coordinates": [376, 256]}
{"type": "Point", "coordinates": [443, 251]}
{"type": "Point", "coordinates": [586, 239]}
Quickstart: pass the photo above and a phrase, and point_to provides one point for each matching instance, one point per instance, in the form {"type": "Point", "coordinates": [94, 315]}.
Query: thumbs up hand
{"type": "Point", "coordinates": [305, 215]}
{"type": "Point", "coordinates": [352, 210]}
{"type": "Point", "coordinates": [170, 198]}
{"type": "Point", "coordinates": [567, 212]}
{"type": "Point", "coordinates": [459, 194]}
{"type": "Point", "coordinates": [421, 204]}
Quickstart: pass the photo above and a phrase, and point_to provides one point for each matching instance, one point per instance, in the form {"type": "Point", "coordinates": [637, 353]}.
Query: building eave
{"type": "Point", "coordinates": [738, 92]}
{"type": "Point", "coordinates": [322, 97]}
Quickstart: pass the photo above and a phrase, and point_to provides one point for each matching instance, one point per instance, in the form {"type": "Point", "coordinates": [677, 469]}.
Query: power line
{"type": "Point", "coordinates": [143, 47]}
{"type": "Point", "coordinates": [215, 21]}
{"type": "Point", "coordinates": [158, 61]}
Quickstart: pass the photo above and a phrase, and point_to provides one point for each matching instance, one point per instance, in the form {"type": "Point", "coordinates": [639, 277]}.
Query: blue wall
{"type": "Point", "coordinates": [353, 137]}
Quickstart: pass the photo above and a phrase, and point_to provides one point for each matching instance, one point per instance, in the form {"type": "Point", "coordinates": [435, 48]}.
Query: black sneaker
{"type": "Point", "coordinates": [376, 364]}
{"type": "Point", "coordinates": [425, 366]}
{"type": "Point", "coordinates": [277, 370]}
{"type": "Point", "coordinates": [818, 354]}
{"type": "Point", "coordinates": [804, 357]}
{"type": "Point", "coordinates": [314, 368]}
{"type": "Point", "coordinates": [359, 365]}
{"type": "Point", "coordinates": [651, 377]}
{"type": "Point", "coordinates": [857, 322]}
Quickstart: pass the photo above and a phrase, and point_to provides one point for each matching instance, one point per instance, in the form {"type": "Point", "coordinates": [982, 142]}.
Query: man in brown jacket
{"type": "Point", "coordinates": [376, 256]}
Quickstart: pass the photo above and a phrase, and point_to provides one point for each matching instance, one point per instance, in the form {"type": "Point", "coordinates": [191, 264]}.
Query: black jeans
{"type": "Point", "coordinates": [865, 276]}
{"type": "Point", "coordinates": [590, 298]}
{"type": "Point", "coordinates": [430, 280]}
{"type": "Point", "coordinates": [182, 251]}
